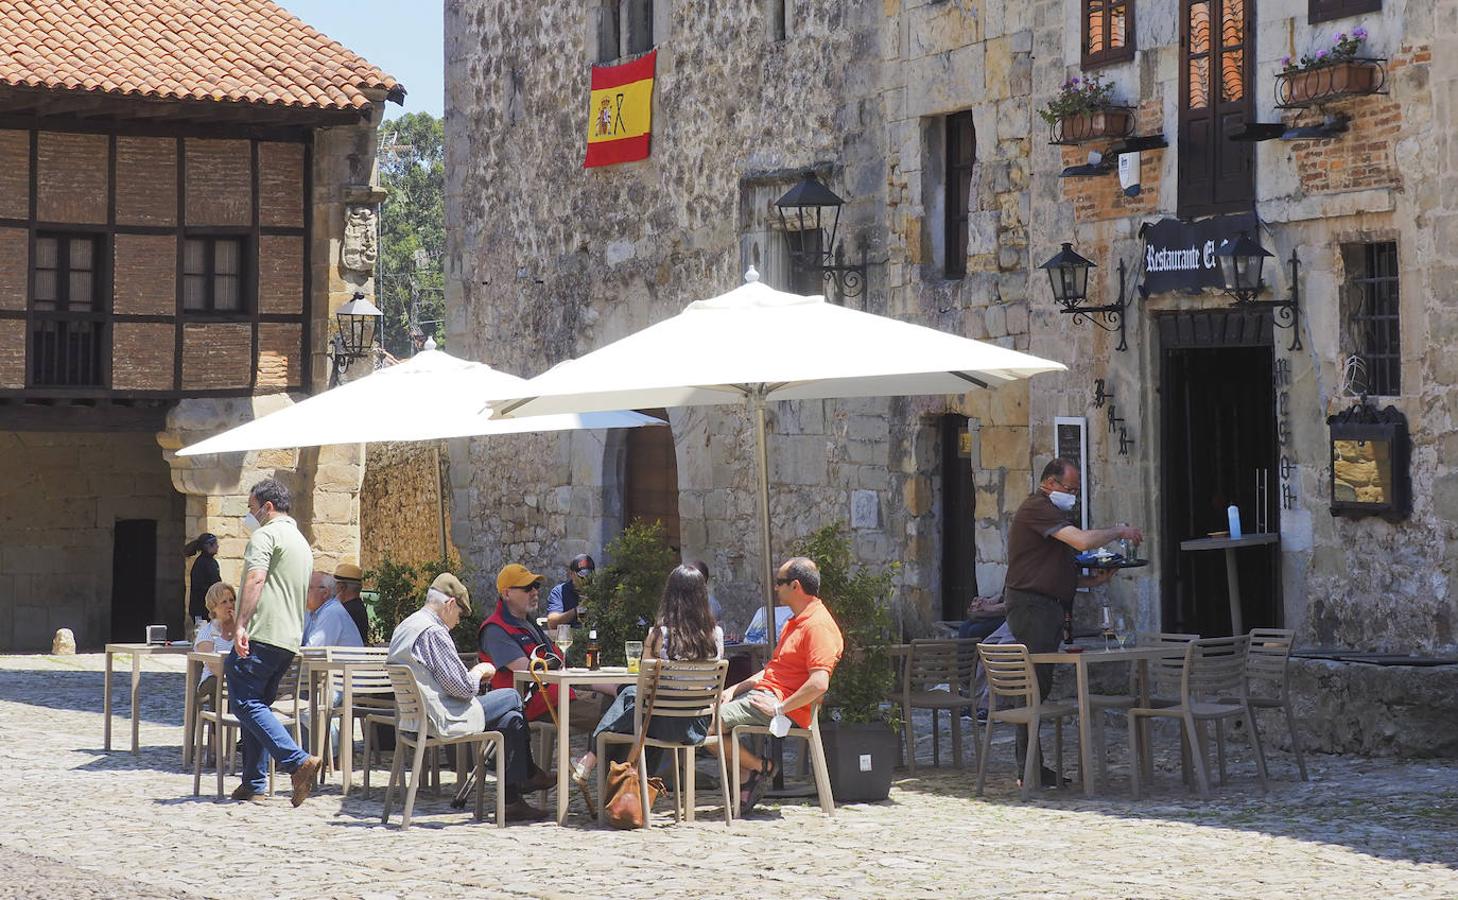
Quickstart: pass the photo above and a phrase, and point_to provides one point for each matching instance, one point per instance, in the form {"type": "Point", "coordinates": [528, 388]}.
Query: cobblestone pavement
{"type": "Point", "coordinates": [78, 821]}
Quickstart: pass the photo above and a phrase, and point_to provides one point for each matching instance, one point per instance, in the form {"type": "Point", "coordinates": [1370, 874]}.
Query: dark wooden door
{"type": "Point", "coordinates": [959, 551]}
{"type": "Point", "coordinates": [133, 579]}
{"type": "Point", "coordinates": [1217, 46]}
{"type": "Point", "coordinates": [650, 489]}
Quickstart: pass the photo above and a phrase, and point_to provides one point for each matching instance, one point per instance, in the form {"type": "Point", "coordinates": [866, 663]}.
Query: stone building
{"type": "Point", "coordinates": [186, 194]}
{"type": "Point", "coordinates": [923, 115]}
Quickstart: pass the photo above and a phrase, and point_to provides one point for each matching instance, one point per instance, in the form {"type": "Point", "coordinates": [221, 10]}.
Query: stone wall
{"type": "Point", "coordinates": [59, 504]}
{"type": "Point", "coordinates": [400, 514]}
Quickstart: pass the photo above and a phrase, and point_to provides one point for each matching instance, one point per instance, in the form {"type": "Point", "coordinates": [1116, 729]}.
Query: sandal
{"type": "Point", "coordinates": [579, 777]}
{"type": "Point", "coordinates": [768, 768]}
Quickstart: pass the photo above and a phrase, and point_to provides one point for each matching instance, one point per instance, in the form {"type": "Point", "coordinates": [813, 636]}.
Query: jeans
{"type": "Point", "coordinates": [253, 686]}
{"type": "Point", "coordinates": [503, 711]}
{"type": "Point", "coordinates": [1037, 622]}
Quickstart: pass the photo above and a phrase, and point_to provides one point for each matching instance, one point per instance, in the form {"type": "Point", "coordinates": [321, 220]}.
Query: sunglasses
{"type": "Point", "coordinates": [534, 586]}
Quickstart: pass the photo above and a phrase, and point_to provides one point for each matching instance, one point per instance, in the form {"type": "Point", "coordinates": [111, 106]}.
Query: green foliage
{"type": "Point", "coordinates": [400, 591]}
{"type": "Point", "coordinates": [412, 218]}
{"type": "Point", "coordinates": [623, 596]}
{"type": "Point", "coordinates": [1076, 97]}
{"type": "Point", "coordinates": [859, 601]}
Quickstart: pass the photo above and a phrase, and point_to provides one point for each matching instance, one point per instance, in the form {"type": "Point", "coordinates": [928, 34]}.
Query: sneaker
{"type": "Point", "coordinates": [304, 779]}
{"type": "Point", "coordinates": [981, 717]}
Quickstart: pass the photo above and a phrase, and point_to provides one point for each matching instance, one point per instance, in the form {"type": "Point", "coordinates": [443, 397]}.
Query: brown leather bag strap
{"type": "Point", "coordinates": [647, 715]}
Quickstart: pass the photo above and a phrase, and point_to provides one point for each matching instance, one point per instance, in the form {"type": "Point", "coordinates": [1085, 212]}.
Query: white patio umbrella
{"type": "Point", "coordinates": [432, 395]}
{"type": "Point", "coordinates": [755, 345]}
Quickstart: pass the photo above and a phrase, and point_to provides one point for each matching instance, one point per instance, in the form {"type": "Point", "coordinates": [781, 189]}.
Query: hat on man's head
{"type": "Point", "coordinates": [348, 572]}
{"type": "Point", "coordinates": [451, 586]}
{"type": "Point", "coordinates": [515, 575]}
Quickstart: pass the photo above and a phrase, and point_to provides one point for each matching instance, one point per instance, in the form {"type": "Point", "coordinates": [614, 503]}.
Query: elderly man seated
{"type": "Point", "coordinates": [328, 623]}
{"type": "Point", "coordinates": [350, 580]}
{"type": "Point", "coordinates": [451, 692]}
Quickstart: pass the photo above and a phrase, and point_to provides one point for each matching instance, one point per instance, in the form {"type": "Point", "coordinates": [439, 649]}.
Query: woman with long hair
{"type": "Point", "coordinates": [205, 574]}
{"type": "Point", "coordinates": [685, 631]}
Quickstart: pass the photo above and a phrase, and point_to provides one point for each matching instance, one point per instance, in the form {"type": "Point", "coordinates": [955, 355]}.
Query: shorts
{"type": "Point", "coordinates": [740, 711]}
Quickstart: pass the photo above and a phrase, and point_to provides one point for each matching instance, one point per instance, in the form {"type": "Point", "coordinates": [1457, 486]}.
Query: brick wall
{"type": "Point", "coordinates": [216, 356]}
{"type": "Point", "coordinates": [145, 275]}
{"type": "Point", "coordinates": [142, 355]}
{"type": "Point", "coordinates": [14, 260]}
{"type": "Point", "coordinates": [280, 274]}
{"type": "Point", "coordinates": [279, 363]}
{"type": "Point", "coordinates": [71, 181]}
{"type": "Point", "coordinates": [146, 181]}
{"type": "Point", "coordinates": [12, 353]}
{"type": "Point", "coordinates": [219, 182]}
{"type": "Point", "coordinates": [1098, 198]}
{"type": "Point", "coordinates": [14, 174]}
{"type": "Point", "coordinates": [281, 185]}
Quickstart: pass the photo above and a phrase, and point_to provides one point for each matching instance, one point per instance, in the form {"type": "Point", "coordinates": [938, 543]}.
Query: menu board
{"type": "Point", "coordinates": [1070, 441]}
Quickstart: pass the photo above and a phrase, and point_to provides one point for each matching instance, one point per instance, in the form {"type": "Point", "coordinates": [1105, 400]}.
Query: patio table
{"type": "Point", "coordinates": [1140, 656]}
{"type": "Point", "coordinates": [566, 679]}
{"type": "Point", "coordinates": [196, 659]}
{"type": "Point", "coordinates": [137, 651]}
{"type": "Point", "coordinates": [318, 670]}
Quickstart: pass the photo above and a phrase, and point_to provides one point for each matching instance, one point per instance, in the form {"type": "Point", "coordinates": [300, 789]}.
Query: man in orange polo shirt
{"type": "Point", "coordinates": [796, 676]}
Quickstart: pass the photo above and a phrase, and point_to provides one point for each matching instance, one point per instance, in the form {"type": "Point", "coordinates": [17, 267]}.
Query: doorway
{"type": "Point", "coordinates": [959, 550]}
{"type": "Point", "coordinates": [650, 478]}
{"type": "Point", "coordinates": [133, 579]}
{"type": "Point", "coordinates": [1219, 436]}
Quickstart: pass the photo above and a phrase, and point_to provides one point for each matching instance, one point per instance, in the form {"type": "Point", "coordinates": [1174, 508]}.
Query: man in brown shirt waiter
{"type": "Point", "coordinates": [1041, 572]}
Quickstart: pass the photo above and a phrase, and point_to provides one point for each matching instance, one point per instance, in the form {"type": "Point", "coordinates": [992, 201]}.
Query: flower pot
{"type": "Point", "coordinates": [860, 759]}
{"type": "Point", "coordinates": [1111, 122]}
{"type": "Point", "coordinates": [1311, 85]}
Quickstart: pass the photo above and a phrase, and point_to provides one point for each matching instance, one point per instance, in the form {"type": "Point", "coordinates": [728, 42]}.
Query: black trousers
{"type": "Point", "coordinates": [1037, 622]}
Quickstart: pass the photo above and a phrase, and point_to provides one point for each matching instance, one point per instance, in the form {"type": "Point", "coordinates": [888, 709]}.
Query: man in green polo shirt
{"type": "Point", "coordinates": [276, 568]}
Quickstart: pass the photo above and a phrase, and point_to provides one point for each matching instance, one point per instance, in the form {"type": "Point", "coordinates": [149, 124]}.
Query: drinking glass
{"type": "Point", "coordinates": [634, 652]}
{"type": "Point", "coordinates": [564, 639]}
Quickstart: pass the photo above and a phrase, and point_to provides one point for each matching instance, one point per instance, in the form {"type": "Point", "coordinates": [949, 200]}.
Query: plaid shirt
{"type": "Point", "coordinates": [437, 653]}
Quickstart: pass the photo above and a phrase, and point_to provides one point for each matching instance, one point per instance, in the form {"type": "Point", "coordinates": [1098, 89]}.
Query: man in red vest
{"type": "Point", "coordinates": [510, 635]}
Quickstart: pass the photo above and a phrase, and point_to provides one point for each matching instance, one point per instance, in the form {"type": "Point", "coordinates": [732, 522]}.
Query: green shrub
{"type": "Point", "coordinates": [400, 591]}
{"type": "Point", "coordinates": [623, 596]}
{"type": "Point", "coordinates": [859, 600]}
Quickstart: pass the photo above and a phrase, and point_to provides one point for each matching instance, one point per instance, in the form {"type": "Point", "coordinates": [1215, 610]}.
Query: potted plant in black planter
{"type": "Point", "coordinates": [859, 734]}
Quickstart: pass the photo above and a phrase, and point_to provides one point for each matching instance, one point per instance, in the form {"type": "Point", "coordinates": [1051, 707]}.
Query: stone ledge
{"type": "Point", "coordinates": [1326, 206]}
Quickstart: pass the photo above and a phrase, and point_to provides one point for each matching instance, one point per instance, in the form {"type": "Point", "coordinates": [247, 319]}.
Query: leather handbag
{"type": "Point", "coordinates": [624, 803]}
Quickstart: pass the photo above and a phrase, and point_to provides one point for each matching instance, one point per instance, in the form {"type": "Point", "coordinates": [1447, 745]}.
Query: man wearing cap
{"type": "Point", "coordinates": [328, 623]}
{"type": "Point", "coordinates": [510, 636]}
{"type": "Point", "coordinates": [451, 692]}
{"type": "Point", "coordinates": [564, 602]}
{"type": "Point", "coordinates": [349, 579]}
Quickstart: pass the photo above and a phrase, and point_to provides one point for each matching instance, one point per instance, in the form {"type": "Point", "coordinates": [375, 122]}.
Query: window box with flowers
{"type": "Point", "coordinates": [1083, 111]}
{"type": "Point", "coordinates": [1331, 74]}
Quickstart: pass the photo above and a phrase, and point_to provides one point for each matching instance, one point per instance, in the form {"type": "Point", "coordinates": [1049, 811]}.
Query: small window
{"type": "Point", "coordinates": [1372, 323]}
{"type": "Point", "coordinates": [1326, 10]}
{"type": "Point", "coordinates": [1108, 32]}
{"type": "Point", "coordinates": [638, 19]}
{"type": "Point", "coordinates": [609, 31]}
{"type": "Point", "coordinates": [68, 318]}
{"type": "Point", "coordinates": [212, 274]}
{"type": "Point", "coordinates": [778, 16]}
{"type": "Point", "coordinates": [961, 153]}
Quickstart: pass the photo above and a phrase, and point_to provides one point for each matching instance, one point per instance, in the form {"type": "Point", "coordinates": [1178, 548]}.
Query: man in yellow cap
{"type": "Point", "coordinates": [451, 692]}
{"type": "Point", "coordinates": [348, 580]}
{"type": "Point", "coordinates": [510, 635]}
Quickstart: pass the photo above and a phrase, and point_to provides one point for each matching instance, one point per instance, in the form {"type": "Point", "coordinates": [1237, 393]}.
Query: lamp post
{"type": "Point", "coordinates": [808, 205]}
{"type": "Point", "coordinates": [1068, 276]}
{"type": "Point", "coordinates": [358, 324]}
{"type": "Point", "coordinates": [1241, 261]}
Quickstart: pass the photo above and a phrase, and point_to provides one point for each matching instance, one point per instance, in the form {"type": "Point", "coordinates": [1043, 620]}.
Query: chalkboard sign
{"type": "Point", "coordinates": [1070, 441]}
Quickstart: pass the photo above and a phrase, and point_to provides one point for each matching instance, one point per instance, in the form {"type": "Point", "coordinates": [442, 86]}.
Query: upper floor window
{"type": "Point", "coordinates": [68, 318]}
{"type": "Point", "coordinates": [961, 154]}
{"type": "Point", "coordinates": [1108, 32]}
{"type": "Point", "coordinates": [212, 274]}
{"type": "Point", "coordinates": [1326, 10]}
{"type": "Point", "coordinates": [623, 27]}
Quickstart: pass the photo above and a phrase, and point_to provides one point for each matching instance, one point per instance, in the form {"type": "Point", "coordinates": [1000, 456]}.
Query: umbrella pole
{"type": "Point", "coordinates": [756, 407]}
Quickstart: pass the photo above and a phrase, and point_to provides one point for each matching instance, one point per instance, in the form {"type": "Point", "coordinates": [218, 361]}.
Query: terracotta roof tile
{"type": "Point", "coordinates": [249, 51]}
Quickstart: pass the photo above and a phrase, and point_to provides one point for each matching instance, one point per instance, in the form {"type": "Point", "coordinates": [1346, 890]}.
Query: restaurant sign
{"type": "Point", "coordinates": [1180, 256]}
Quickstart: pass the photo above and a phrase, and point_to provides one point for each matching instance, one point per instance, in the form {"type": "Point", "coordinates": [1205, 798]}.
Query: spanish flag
{"type": "Point", "coordinates": [620, 114]}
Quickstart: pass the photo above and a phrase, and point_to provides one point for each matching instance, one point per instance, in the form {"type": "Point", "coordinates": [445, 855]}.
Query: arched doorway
{"type": "Point", "coordinates": [650, 478]}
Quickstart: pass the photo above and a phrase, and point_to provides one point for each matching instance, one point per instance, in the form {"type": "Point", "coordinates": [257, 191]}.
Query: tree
{"type": "Point", "coordinates": [411, 287]}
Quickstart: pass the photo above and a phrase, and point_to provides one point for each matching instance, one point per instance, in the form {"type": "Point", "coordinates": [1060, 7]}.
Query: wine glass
{"type": "Point", "coordinates": [564, 640]}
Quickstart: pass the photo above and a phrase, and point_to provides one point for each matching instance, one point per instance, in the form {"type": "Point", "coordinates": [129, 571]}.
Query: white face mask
{"type": "Point", "coordinates": [1062, 499]}
{"type": "Point", "coordinates": [251, 522]}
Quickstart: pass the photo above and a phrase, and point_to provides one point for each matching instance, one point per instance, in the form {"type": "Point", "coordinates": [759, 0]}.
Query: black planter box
{"type": "Point", "coordinates": [860, 759]}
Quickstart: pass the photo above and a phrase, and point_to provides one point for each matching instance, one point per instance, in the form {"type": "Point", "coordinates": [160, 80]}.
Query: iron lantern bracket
{"type": "Point", "coordinates": [1285, 313]}
{"type": "Point", "coordinates": [1111, 317]}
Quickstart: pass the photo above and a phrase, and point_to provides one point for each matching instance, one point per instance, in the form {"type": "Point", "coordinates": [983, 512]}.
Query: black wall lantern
{"type": "Point", "coordinates": [1241, 262]}
{"type": "Point", "coordinates": [808, 205]}
{"type": "Point", "coordinates": [358, 324]}
{"type": "Point", "coordinates": [1068, 274]}
{"type": "Point", "coordinates": [1369, 463]}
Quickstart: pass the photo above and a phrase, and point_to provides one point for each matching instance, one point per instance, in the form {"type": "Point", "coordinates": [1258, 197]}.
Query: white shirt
{"type": "Point", "coordinates": [209, 632]}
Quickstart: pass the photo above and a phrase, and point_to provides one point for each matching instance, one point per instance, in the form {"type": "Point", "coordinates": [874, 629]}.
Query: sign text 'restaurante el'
{"type": "Point", "coordinates": [1180, 256]}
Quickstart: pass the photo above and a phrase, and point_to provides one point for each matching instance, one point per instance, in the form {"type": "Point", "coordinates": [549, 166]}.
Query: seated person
{"type": "Point", "coordinates": [716, 609]}
{"type": "Point", "coordinates": [350, 580]}
{"type": "Point", "coordinates": [984, 616]}
{"type": "Point", "coordinates": [756, 634]}
{"type": "Point", "coordinates": [685, 630]}
{"type": "Point", "coordinates": [509, 636]}
{"type": "Point", "coordinates": [564, 602]}
{"type": "Point", "coordinates": [797, 675]}
{"type": "Point", "coordinates": [328, 623]}
{"type": "Point", "coordinates": [451, 692]}
{"type": "Point", "coordinates": [215, 635]}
